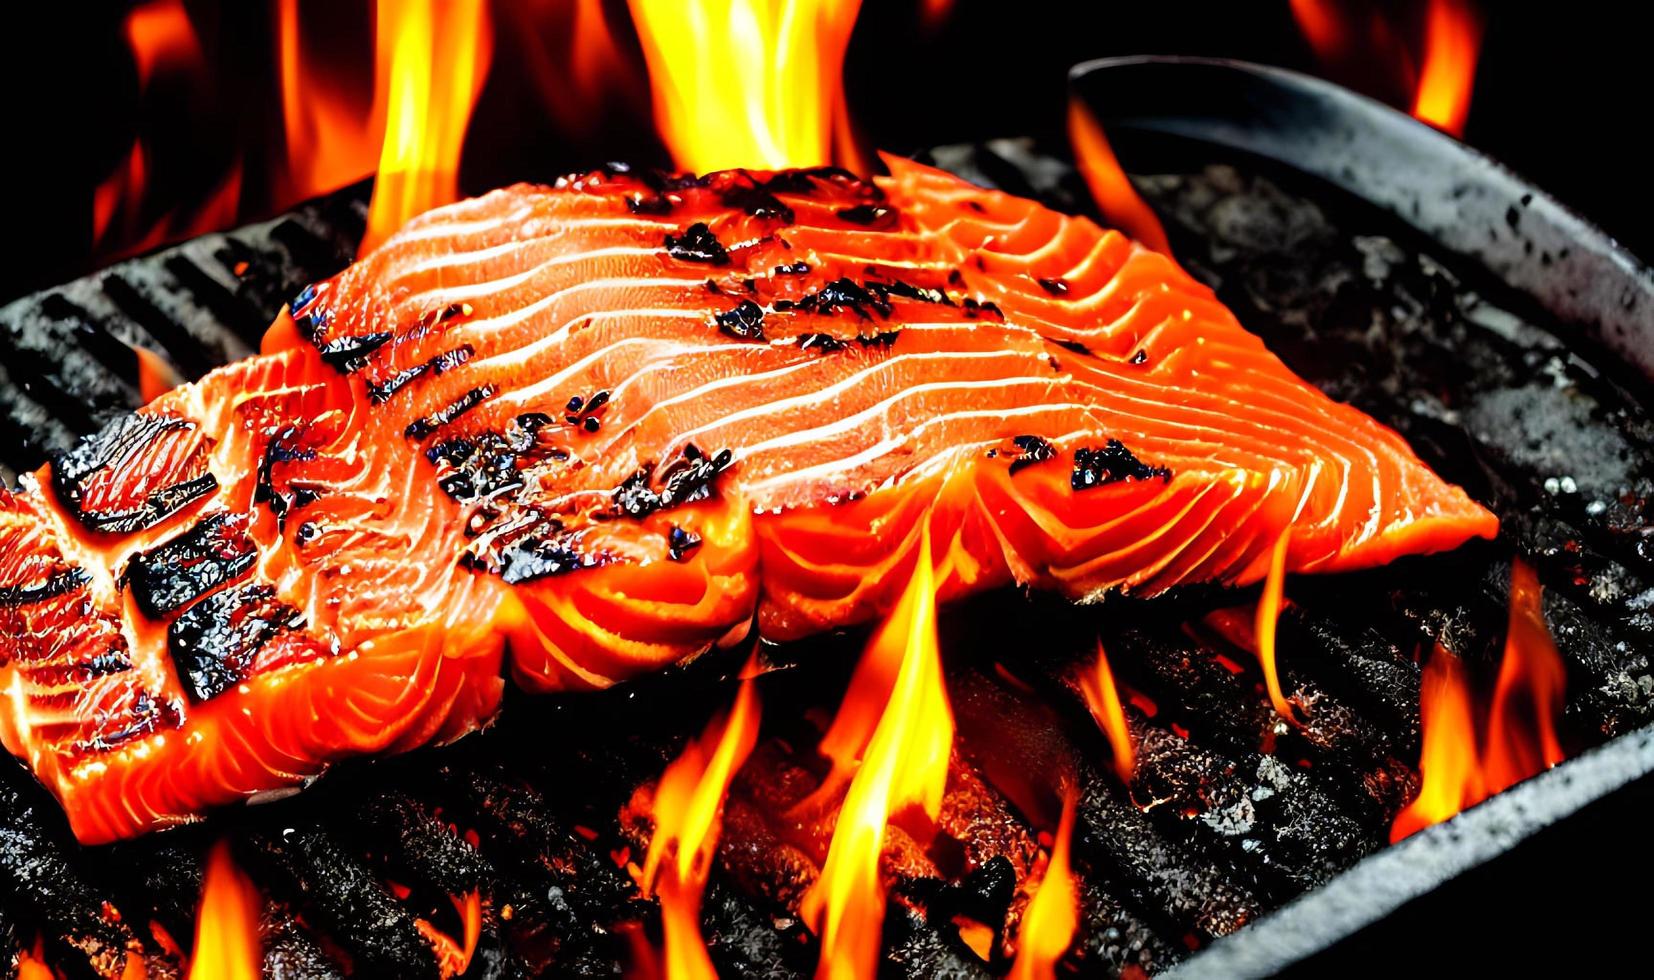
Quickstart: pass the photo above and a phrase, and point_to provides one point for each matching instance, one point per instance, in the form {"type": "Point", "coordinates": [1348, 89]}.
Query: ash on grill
{"type": "Point", "coordinates": [1229, 813]}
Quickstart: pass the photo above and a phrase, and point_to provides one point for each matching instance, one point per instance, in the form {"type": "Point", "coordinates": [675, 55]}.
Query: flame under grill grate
{"type": "Point", "coordinates": [1215, 831]}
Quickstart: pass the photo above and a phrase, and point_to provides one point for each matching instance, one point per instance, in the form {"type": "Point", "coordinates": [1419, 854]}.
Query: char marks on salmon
{"type": "Point", "coordinates": [570, 434]}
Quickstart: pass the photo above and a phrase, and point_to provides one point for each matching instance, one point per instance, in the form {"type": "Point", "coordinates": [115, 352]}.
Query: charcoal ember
{"type": "Point", "coordinates": [1275, 823]}
{"type": "Point", "coordinates": [566, 894]}
{"type": "Point", "coordinates": [1358, 663]}
{"type": "Point", "coordinates": [416, 844]}
{"type": "Point", "coordinates": [915, 950]}
{"type": "Point", "coordinates": [289, 952]}
{"type": "Point", "coordinates": [308, 866]}
{"type": "Point", "coordinates": [1018, 741]}
{"type": "Point", "coordinates": [159, 878]}
{"type": "Point", "coordinates": [39, 875]}
{"type": "Point", "coordinates": [746, 941]}
{"type": "Point", "coordinates": [1113, 940]}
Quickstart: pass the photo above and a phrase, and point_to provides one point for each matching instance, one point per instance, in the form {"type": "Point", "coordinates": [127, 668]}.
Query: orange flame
{"type": "Point", "coordinates": [905, 764]}
{"type": "Point", "coordinates": [1452, 39]}
{"type": "Point", "coordinates": [156, 376]}
{"type": "Point", "coordinates": [1322, 26]}
{"type": "Point", "coordinates": [432, 59]}
{"type": "Point", "coordinates": [1521, 736]}
{"type": "Point", "coordinates": [1269, 613]}
{"type": "Point", "coordinates": [453, 957]}
{"type": "Point", "coordinates": [331, 139]}
{"type": "Point", "coordinates": [226, 928]}
{"type": "Point", "coordinates": [747, 83]}
{"type": "Point", "coordinates": [31, 962]}
{"type": "Point", "coordinates": [161, 36]}
{"type": "Point", "coordinates": [1527, 698]}
{"type": "Point", "coordinates": [1104, 701]}
{"type": "Point", "coordinates": [1110, 187]}
{"type": "Point", "coordinates": [1053, 914]}
{"type": "Point", "coordinates": [686, 810]}
{"type": "Point", "coordinates": [1450, 770]}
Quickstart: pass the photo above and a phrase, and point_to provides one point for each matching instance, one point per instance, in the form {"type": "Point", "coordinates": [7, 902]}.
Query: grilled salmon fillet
{"type": "Point", "coordinates": [576, 433]}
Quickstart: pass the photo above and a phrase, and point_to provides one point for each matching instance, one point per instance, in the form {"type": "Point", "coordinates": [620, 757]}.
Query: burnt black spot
{"type": "Point", "coordinates": [283, 446]}
{"type": "Point", "coordinates": [697, 244]}
{"type": "Point", "coordinates": [440, 364]}
{"type": "Point", "coordinates": [983, 308]}
{"type": "Point", "coordinates": [1073, 345]}
{"type": "Point", "coordinates": [869, 215]}
{"type": "Point", "coordinates": [884, 338]}
{"type": "Point", "coordinates": [1111, 464]}
{"type": "Point", "coordinates": [845, 294]}
{"type": "Point", "coordinates": [680, 543]}
{"type": "Point", "coordinates": [349, 354]}
{"type": "Point", "coordinates": [421, 428]}
{"type": "Point", "coordinates": [745, 322]}
{"type": "Point", "coordinates": [803, 180]}
{"type": "Point", "coordinates": [544, 548]}
{"type": "Point", "coordinates": [976, 206]}
{"type": "Point", "coordinates": [799, 268]}
{"type": "Point", "coordinates": [826, 343]}
{"type": "Point", "coordinates": [117, 446]}
{"type": "Point", "coordinates": [168, 577]}
{"type": "Point", "coordinates": [688, 479]}
{"type": "Point", "coordinates": [907, 290]}
{"type": "Point", "coordinates": [214, 641]}
{"type": "Point", "coordinates": [60, 582]}
{"type": "Point", "coordinates": [756, 199]}
{"type": "Point", "coordinates": [1056, 287]}
{"type": "Point", "coordinates": [1034, 450]}
{"type": "Point", "coordinates": [713, 287]}
{"type": "Point", "coordinates": [1141, 357]}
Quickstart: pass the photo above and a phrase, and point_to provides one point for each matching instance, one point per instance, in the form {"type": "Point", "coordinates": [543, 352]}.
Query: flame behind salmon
{"type": "Point", "coordinates": [582, 432]}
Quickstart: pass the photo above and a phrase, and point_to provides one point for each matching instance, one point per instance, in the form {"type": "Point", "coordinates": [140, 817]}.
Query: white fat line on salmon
{"type": "Point", "coordinates": [441, 296]}
{"type": "Point", "coordinates": [553, 386]}
{"type": "Point", "coordinates": [848, 383]}
{"type": "Point", "coordinates": [739, 378]}
{"type": "Point", "coordinates": [577, 231]}
{"type": "Point", "coordinates": [485, 327]}
{"type": "Point", "coordinates": [801, 437]}
{"type": "Point", "coordinates": [523, 357]}
{"type": "Point", "coordinates": [844, 465]}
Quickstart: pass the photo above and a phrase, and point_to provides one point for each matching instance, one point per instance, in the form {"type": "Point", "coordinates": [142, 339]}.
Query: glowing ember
{"type": "Point", "coordinates": [332, 139]}
{"type": "Point", "coordinates": [31, 963]}
{"type": "Point", "coordinates": [1110, 187]}
{"type": "Point", "coordinates": [1452, 39]}
{"type": "Point", "coordinates": [905, 764]}
{"type": "Point", "coordinates": [1053, 914]}
{"type": "Point", "coordinates": [1527, 700]}
{"type": "Point", "coordinates": [1449, 768]}
{"type": "Point", "coordinates": [1104, 702]}
{"type": "Point", "coordinates": [747, 83]}
{"type": "Point", "coordinates": [432, 59]}
{"type": "Point", "coordinates": [226, 928]}
{"type": "Point", "coordinates": [1269, 613]}
{"type": "Point", "coordinates": [686, 809]}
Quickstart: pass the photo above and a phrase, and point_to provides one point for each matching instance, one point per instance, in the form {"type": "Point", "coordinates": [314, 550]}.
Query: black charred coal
{"type": "Point", "coordinates": [697, 243]}
{"type": "Point", "coordinates": [117, 445]}
{"type": "Point", "coordinates": [168, 577]}
{"type": "Point", "coordinates": [307, 866]}
{"type": "Point", "coordinates": [37, 873]}
{"type": "Point", "coordinates": [417, 846]}
{"type": "Point", "coordinates": [289, 951]}
{"type": "Point", "coordinates": [214, 641]}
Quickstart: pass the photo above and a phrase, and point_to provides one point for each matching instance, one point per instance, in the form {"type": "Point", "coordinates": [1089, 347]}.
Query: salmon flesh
{"type": "Point", "coordinates": [572, 434]}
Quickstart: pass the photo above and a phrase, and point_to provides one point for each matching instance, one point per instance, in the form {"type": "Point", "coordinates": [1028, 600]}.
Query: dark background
{"type": "Point", "coordinates": [1561, 95]}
